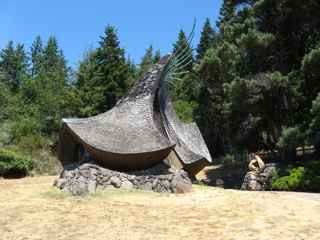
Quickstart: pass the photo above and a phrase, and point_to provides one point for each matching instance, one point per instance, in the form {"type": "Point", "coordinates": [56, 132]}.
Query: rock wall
{"type": "Point", "coordinates": [90, 177]}
{"type": "Point", "coordinates": [254, 181]}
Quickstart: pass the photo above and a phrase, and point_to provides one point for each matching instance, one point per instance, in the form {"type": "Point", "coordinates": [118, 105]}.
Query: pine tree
{"type": "Point", "coordinates": [4, 99]}
{"type": "Point", "coordinates": [132, 73]}
{"type": "Point", "coordinates": [146, 61]}
{"type": "Point", "coordinates": [52, 84]}
{"type": "Point", "coordinates": [37, 52]}
{"type": "Point", "coordinates": [53, 57]}
{"type": "Point", "coordinates": [7, 66]}
{"type": "Point", "coordinates": [210, 112]}
{"type": "Point", "coordinates": [113, 71]}
{"type": "Point", "coordinates": [14, 65]}
{"type": "Point", "coordinates": [157, 56]}
{"type": "Point", "coordinates": [227, 13]}
{"type": "Point", "coordinates": [54, 66]}
{"type": "Point", "coordinates": [206, 40]}
{"type": "Point", "coordinates": [90, 94]}
{"type": "Point", "coordinates": [181, 47]}
{"type": "Point", "coordinates": [104, 75]}
{"type": "Point", "coordinates": [180, 86]}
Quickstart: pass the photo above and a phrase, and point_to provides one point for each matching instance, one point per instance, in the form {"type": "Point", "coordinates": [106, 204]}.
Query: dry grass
{"type": "Point", "coordinates": [31, 209]}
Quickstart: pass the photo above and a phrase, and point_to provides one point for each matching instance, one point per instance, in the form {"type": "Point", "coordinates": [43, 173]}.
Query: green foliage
{"type": "Point", "coordinates": [103, 76]}
{"type": "Point", "coordinates": [290, 139]}
{"type": "Point", "coordinates": [4, 100]}
{"type": "Point", "coordinates": [184, 110]}
{"type": "Point", "coordinates": [305, 178]}
{"type": "Point", "coordinates": [37, 56]}
{"type": "Point", "coordinates": [211, 115]}
{"type": "Point", "coordinates": [146, 62]}
{"type": "Point", "coordinates": [13, 164]}
{"type": "Point", "coordinates": [157, 56]}
{"type": "Point", "coordinates": [207, 40]}
{"type": "Point", "coordinates": [13, 65]}
{"type": "Point", "coordinates": [311, 64]}
{"type": "Point", "coordinates": [112, 70]}
{"type": "Point", "coordinates": [254, 84]}
{"type": "Point", "coordinates": [25, 127]}
{"type": "Point", "coordinates": [182, 44]}
{"type": "Point", "coordinates": [311, 71]}
{"type": "Point", "coordinates": [299, 179]}
{"type": "Point", "coordinates": [314, 126]}
{"type": "Point", "coordinates": [311, 181]}
{"type": "Point", "coordinates": [292, 182]}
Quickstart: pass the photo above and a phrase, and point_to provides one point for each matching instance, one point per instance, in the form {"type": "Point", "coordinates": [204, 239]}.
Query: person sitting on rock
{"type": "Point", "coordinates": [256, 164]}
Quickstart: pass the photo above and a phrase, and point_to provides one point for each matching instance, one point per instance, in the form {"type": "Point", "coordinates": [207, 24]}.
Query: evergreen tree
{"type": "Point", "coordinates": [180, 88]}
{"type": "Point", "coordinates": [157, 56]}
{"type": "Point", "coordinates": [227, 13]}
{"type": "Point", "coordinates": [37, 52]}
{"type": "Point", "coordinates": [146, 62]}
{"type": "Point", "coordinates": [181, 47]}
{"type": "Point", "coordinates": [133, 72]}
{"type": "Point", "coordinates": [14, 65]}
{"type": "Point", "coordinates": [104, 75]}
{"type": "Point", "coordinates": [90, 95]}
{"type": "Point", "coordinates": [7, 65]}
{"type": "Point", "coordinates": [206, 40]}
{"type": "Point", "coordinates": [113, 71]}
{"type": "Point", "coordinates": [50, 86]}
{"type": "Point", "coordinates": [4, 99]}
{"type": "Point", "coordinates": [210, 113]}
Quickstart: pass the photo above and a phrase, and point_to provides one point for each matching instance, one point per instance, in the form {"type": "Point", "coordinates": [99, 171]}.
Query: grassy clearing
{"type": "Point", "coordinates": [31, 208]}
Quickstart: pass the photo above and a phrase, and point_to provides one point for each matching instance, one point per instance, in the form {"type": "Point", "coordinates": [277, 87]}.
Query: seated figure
{"type": "Point", "coordinates": [256, 164]}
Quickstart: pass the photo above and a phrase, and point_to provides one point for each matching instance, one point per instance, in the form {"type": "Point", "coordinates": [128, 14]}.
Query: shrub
{"type": "Point", "coordinates": [45, 163]}
{"type": "Point", "coordinates": [312, 178]}
{"type": "Point", "coordinates": [33, 143]}
{"type": "Point", "coordinates": [292, 182]}
{"type": "Point", "coordinates": [25, 127]}
{"type": "Point", "coordinates": [13, 164]}
{"type": "Point", "coordinates": [300, 179]}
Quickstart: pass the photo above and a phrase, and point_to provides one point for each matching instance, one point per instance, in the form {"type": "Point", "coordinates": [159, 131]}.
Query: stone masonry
{"type": "Point", "coordinates": [90, 177]}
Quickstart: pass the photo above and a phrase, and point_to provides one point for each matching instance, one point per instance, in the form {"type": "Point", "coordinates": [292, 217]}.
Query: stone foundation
{"type": "Point", "coordinates": [90, 177]}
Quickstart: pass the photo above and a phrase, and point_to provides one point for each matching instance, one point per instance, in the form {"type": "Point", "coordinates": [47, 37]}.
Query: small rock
{"type": "Point", "coordinates": [79, 189]}
{"type": "Point", "coordinates": [92, 186]}
{"type": "Point", "coordinates": [127, 185]}
{"type": "Point", "coordinates": [59, 183]}
{"type": "Point", "coordinates": [115, 181]}
{"type": "Point", "coordinates": [180, 185]}
{"type": "Point", "coordinates": [147, 186]}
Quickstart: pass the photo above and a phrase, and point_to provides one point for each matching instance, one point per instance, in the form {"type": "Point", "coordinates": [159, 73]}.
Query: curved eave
{"type": "Point", "coordinates": [79, 139]}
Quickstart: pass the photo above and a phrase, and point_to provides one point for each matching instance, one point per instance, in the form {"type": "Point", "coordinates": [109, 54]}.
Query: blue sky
{"type": "Point", "coordinates": [77, 24]}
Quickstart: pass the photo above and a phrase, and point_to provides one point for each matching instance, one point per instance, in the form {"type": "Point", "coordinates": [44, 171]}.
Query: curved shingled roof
{"type": "Point", "coordinates": [139, 132]}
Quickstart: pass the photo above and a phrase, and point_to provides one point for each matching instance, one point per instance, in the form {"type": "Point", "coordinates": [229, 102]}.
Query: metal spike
{"type": "Point", "coordinates": [189, 41]}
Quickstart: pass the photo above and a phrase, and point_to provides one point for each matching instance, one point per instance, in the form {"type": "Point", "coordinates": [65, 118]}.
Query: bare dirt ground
{"type": "Point", "coordinates": [31, 209]}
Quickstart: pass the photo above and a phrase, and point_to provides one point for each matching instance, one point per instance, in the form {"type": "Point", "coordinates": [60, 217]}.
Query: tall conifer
{"type": "Point", "coordinates": [146, 61]}
{"type": "Point", "coordinates": [206, 40]}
